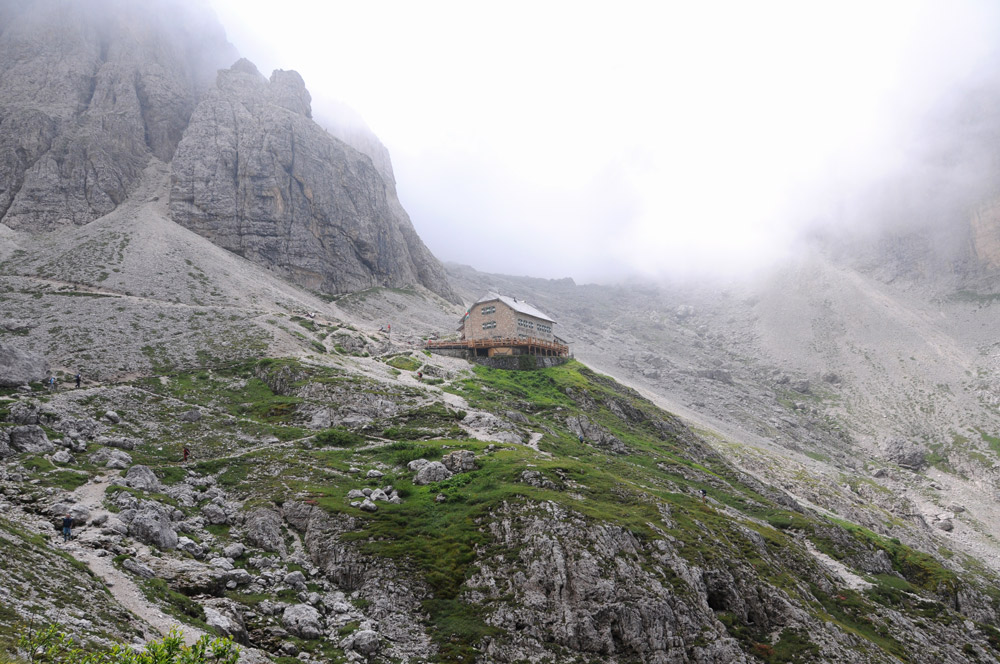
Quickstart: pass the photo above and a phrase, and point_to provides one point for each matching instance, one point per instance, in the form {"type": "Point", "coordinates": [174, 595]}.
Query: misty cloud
{"type": "Point", "coordinates": [553, 141]}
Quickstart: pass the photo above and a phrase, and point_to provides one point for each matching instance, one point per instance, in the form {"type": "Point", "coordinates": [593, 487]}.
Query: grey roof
{"type": "Point", "coordinates": [513, 303]}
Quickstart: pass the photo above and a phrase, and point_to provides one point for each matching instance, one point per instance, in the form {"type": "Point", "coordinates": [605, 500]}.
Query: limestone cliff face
{"type": "Point", "coordinates": [88, 93]}
{"type": "Point", "coordinates": [255, 175]}
{"type": "Point", "coordinates": [91, 92]}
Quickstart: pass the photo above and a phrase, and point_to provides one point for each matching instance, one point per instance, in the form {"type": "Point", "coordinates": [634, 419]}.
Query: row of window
{"type": "Point", "coordinates": [542, 327]}
{"type": "Point", "coordinates": [489, 325]}
{"type": "Point", "coordinates": [525, 323]}
{"type": "Point", "coordinates": [489, 310]}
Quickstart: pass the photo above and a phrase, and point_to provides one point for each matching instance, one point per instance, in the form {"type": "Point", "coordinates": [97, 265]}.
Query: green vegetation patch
{"type": "Point", "coordinates": [404, 363]}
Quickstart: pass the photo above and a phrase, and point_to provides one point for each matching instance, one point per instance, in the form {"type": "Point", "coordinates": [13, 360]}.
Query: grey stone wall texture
{"type": "Point", "coordinates": [506, 319]}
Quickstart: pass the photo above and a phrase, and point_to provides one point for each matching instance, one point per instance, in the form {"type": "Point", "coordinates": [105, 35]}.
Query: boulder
{"type": "Point", "coordinates": [239, 576]}
{"type": "Point", "coordinates": [116, 441]}
{"type": "Point", "coordinates": [263, 530]}
{"type": "Point", "coordinates": [225, 617]}
{"type": "Point", "coordinates": [417, 464]}
{"type": "Point", "coordinates": [434, 471]}
{"type": "Point", "coordinates": [374, 474]}
{"type": "Point", "coordinates": [142, 478]}
{"type": "Point", "coordinates": [535, 478]}
{"type": "Point", "coordinates": [295, 579]}
{"type": "Point", "coordinates": [221, 563]}
{"type": "Point", "coordinates": [460, 461]}
{"type": "Point", "coordinates": [112, 416]}
{"type": "Point", "coordinates": [63, 457]}
{"type": "Point", "coordinates": [368, 506]}
{"type": "Point", "coordinates": [80, 513]}
{"type": "Point", "coordinates": [111, 458]}
{"type": "Point", "coordinates": [904, 453]}
{"type": "Point", "coordinates": [364, 641]}
{"type": "Point", "coordinates": [153, 526]}
{"type": "Point", "coordinates": [234, 551]}
{"type": "Point", "coordinates": [18, 367]}
{"type": "Point", "coordinates": [24, 412]}
{"type": "Point", "coordinates": [214, 515]}
{"type": "Point", "coordinates": [139, 569]}
{"type": "Point", "coordinates": [595, 435]}
{"type": "Point", "coordinates": [303, 621]}
{"type": "Point", "coordinates": [29, 438]}
{"type": "Point", "coordinates": [188, 545]}
{"type": "Point", "coordinates": [192, 415]}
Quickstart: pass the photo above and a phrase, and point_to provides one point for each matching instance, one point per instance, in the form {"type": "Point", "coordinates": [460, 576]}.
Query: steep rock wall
{"type": "Point", "coordinates": [89, 92]}
{"type": "Point", "coordinates": [255, 175]}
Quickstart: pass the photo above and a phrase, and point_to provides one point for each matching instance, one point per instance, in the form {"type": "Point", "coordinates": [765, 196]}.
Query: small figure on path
{"type": "Point", "coordinates": [51, 383]}
{"type": "Point", "coordinates": [185, 453]}
{"type": "Point", "coordinates": [77, 379]}
{"type": "Point", "coordinates": [704, 496]}
{"type": "Point", "coordinates": [67, 527]}
{"type": "Point", "coordinates": [581, 438]}
{"type": "Point", "coordinates": [420, 375]}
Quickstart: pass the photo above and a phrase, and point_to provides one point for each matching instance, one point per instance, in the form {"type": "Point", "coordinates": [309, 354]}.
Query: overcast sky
{"type": "Point", "coordinates": [598, 140]}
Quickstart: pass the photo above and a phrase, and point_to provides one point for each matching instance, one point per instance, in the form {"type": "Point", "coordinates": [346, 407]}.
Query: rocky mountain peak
{"type": "Point", "coordinates": [289, 91]}
{"type": "Point", "coordinates": [89, 95]}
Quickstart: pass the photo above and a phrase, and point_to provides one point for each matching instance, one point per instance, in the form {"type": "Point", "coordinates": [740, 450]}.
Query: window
{"type": "Point", "coordinates": [527, 324]}
{"type": "Point", "coordinates": [542, 327]}
{"type": "Point", "coordinates": [489, 325]}
{"type": "Point", "coordinates": [486, 311]}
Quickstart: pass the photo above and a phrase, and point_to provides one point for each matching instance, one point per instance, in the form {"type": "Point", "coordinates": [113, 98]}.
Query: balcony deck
{"type": "Point", "coordinates": [532, 345]}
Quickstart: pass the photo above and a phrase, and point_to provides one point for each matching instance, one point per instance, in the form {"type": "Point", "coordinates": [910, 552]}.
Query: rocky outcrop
{"type": "Point", "coordinates": [433, 471]}
{"type": "Point", "coordinates": [18, 367]}
{"type": "Point", "coordinates": [89, 93]}
{"type": "Point", "coordinates": [142, 478]}
{"type": "Point", "coordinates": [255, 175]}
{"type": "Point", "coordinates": [30, 438]}
{"type": "Point", "coordinates": [303, 621]}
{"type": "Point", "coordinates": [263, 530]}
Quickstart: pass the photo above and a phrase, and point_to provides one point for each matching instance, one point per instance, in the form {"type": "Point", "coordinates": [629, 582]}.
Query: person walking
{"type": "Point", "coordinates": [67, 527]}
{"type": "Point", "coordinates": [51, 383]}
{"type": "Point", "coordinates": [77, 379]}
{"type": "Point", "coordinates": [185, 452]}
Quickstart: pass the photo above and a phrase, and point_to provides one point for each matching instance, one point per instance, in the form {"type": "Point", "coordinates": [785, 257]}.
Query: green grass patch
{"type": "Point", "coordinates": [338, 437]}
{"type": "Point", "coordinates": [404, 363]}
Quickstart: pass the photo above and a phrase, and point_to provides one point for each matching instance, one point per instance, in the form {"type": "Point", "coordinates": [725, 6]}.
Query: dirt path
{"type": "Point", "coordinates": [84, 548]}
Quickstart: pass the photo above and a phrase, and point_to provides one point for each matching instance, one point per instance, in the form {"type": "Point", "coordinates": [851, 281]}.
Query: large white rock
{"type": "Point", "coordinates": [18, 367]}
{"type": "Point", "coordinates": [142, 478]}
{"type": "Point", "coordinates": [435, 471]}
{"type": "Point", "coordinates": [303, 621]}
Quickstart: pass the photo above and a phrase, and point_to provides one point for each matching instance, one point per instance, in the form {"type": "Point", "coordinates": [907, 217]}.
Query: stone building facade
{"type": "Point", "coordinates": [501, 317]}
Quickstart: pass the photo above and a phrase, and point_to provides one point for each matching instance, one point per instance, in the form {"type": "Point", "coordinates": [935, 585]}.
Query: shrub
{"type": "Point", "coordinates": [337, 437]}
{"type": "Point", "coordinates": [50, 646]}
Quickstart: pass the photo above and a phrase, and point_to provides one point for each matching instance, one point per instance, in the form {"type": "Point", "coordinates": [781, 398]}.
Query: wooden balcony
{"type": "Point", "coordinates": [528, 345]}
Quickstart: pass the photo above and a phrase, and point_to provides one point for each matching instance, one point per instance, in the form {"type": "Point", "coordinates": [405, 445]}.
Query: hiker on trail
{"type": "Point", "coordinates": [77, 379]}
{"type": "Point", "coordinates": [185, 452]}
{"type": "Point", "coordinates": [581, 438]}
{"type": "Point", "coordinates": [420, 375]}
{"type": "Point", "coordinates": [704, 496]}
{"type": "Point", "coordinates": [52, 383]}
{"type": "Point", "coordinates": [67, 527]}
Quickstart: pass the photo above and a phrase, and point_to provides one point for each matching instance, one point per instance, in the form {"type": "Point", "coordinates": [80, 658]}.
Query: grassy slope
{"type": "Point", "coordinates": [651, 491]}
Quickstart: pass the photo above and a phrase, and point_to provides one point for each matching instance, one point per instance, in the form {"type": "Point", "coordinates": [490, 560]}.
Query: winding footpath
{"type": "Point", "coordinates": [83, 547]}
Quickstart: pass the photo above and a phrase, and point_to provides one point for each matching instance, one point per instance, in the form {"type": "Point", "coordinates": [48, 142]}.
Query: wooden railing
{"type": "Point", "coordinates": [531, 343]}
